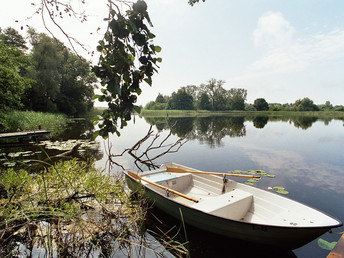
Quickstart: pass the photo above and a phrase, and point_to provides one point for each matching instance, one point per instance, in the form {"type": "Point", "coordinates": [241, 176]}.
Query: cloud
{"type": "Point", "coordinates": [283, 53]}
{"type": "Point", "coordinates": [273, 31]}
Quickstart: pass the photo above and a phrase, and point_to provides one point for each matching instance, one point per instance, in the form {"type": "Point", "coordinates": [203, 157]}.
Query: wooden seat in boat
{"type": "Point", "coordinates": [232, 205]}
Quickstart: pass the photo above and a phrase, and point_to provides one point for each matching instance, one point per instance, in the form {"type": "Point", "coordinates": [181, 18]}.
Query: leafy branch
{"type": "Point", "coordinates": [128, 43]}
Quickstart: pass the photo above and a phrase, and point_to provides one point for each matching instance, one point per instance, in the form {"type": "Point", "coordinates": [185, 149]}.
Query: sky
{"type": "Point", "coordinates": [275, 49]}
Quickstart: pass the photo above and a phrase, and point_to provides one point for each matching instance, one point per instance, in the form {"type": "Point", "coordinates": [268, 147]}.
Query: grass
{"type": "Point", "coordinates": [30, 120]}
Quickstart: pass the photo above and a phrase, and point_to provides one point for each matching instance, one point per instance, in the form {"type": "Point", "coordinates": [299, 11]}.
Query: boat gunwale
{"type": "Point", "coordinates": [339, 223]}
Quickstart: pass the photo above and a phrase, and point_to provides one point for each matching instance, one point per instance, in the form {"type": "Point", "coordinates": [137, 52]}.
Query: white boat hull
{"type": "Point", "coordinates": [284, 230]}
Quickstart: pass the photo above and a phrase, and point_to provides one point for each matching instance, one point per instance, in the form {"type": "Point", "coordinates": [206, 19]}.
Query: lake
{"type": "Point", "coordinates": [304, 153]}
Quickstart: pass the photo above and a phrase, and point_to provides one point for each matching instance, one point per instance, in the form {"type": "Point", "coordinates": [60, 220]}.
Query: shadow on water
{"type": "Point", "coordinates": [204, 244]}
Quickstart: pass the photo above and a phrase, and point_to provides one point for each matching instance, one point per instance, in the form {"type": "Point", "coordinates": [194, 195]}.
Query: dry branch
{"type": "Point", "coordinates": [154, 145]}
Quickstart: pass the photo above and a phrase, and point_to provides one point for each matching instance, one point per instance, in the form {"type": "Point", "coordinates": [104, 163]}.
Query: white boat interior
{"type": "Point", "coordinates": [236, 201]}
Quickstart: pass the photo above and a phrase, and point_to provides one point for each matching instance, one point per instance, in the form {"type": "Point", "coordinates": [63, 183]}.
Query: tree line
{"type": "Point", "coordinates": [209, 96]}
{"type": "Point", "coordinates": [46, 76]}
{"type": "Point", "coordinates": [212, 96]}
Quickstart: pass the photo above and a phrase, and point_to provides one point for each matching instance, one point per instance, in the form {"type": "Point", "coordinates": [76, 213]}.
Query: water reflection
{"type": "Point", "coordinates": [211, 130]}
{"type": "Point", "coordinates": [204, 244]}
{"type": "Point", "coordinates": [260, 121]}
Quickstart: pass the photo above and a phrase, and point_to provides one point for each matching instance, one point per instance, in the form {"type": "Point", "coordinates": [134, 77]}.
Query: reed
{"type": "Point", "coordinates": [30, 120]}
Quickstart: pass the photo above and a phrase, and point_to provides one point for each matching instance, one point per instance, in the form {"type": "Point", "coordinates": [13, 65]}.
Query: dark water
{"type": "Point", "coordinates": [304, 153]}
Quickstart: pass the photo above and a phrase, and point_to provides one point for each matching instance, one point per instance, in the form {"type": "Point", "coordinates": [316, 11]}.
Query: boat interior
{"type": "Point", "coordinates": [231, 200]}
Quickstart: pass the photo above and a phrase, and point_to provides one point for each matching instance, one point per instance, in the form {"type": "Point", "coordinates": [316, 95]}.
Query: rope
{"type": "Point", "coordinates": [338, 233]}
{"type": "Point", "coordinates": [224, 183]}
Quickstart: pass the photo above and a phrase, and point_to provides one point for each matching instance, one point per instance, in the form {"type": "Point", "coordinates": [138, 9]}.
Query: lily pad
{"type": "Point", "coordinates": [236, 171]}
{"type": "Point", "coordinates": [322, 243]}
{"type": "Point", "coordinates": [10, 164]}
{"type": "Point", "coordinates": [280, 190]}
{"type": "Point", "coordinates": [270, 175]}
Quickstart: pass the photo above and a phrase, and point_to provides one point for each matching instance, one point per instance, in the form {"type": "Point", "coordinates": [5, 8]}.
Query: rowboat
{"type": "Point", "coordinates": [225, 207]}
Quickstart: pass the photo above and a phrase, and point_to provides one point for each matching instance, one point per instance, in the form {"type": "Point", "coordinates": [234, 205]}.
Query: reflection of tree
{"type": "Point", "coordinates": [210, 130]}
{"type": "Point", "coordinates": [182, 127]}
{"type": "Point", "coordinates": [77, 129]}
{"type": "Point", "coordinates": [304, 122]}
{"type": "Point", "coordinates": [159, 122]}
{"type": "Point", "coordinates": [260, 121]}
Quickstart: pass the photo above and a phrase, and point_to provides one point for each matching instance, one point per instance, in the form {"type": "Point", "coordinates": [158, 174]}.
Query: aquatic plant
{"type": "Point", "coordinates": [68, 209]}
{"type": "Point", "coordinates": [280, 190]}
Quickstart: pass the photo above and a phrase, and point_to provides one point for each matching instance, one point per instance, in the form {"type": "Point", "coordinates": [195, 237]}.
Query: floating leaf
{"type": "Point", "coordinates": [253, 180]}
{"type": "Point", "coordinates": [280, 190]}
{"type": "Point", "coordinates": [325, 244]}
{"type": "Point", "coordinates": [237, 171]}
{"type": "Point", "coordinates": [270, 175]}
{"type": "Point", "coordinates": [10, 164]}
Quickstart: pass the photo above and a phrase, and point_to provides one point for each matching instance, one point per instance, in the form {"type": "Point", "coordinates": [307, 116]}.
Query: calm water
{"type": "Point", "coordinates": [306, 155]}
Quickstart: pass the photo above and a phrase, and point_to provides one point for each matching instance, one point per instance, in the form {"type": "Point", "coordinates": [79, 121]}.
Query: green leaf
{"type": "Point", "coordinates": [133, 26]}
{"type": "Point", "coordinates": [280, 190]}
{"type": "Point", "coordinates": [325, 244]}
{"type": "Point", "coordinates": [114, 88]}
{"type": "Point", "coordinates": [97, 96]}
{"type": "Point", "coordinates": [137, 109]}
{"type": "Point", "coordinates": [140, 39]}
{"type": "Point", "coordinates": [157, 49]}
{"type": "Point", "coordinates": [99, 48]}
{"type": "Point", "coordinates": [148, 81]}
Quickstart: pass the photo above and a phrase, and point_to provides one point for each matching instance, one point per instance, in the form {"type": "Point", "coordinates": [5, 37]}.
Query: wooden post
{"type": "Point", "coordinates": [338, 250]}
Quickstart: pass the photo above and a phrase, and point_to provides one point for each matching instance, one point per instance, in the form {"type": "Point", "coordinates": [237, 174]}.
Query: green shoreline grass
{"type": "Point", "coordinates": [205, 113]}
{"type": "Point", "coordinates": [30, 120]}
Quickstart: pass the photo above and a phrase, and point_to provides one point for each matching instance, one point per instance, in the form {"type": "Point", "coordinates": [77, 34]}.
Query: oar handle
{"type": "Point", "coordinates": [136, 176]}
{"type": "Point", "coordinates": [182, 170]}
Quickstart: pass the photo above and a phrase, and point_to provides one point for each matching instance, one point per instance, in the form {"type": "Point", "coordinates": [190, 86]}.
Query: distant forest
{"type": "Point", "coordinates": [43, 75]}
{"type": "Point", "coordinates": [213, 97]}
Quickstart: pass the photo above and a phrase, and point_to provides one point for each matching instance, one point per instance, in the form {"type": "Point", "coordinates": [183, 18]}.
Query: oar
{"type": "Point", "coordinates": [136, 176]}
{"type": "Point", "coordinates": [181, 170]}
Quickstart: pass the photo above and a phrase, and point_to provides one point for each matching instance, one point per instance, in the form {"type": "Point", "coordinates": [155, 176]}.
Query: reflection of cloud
{"type": "Point", "coordinates": [297, 169]}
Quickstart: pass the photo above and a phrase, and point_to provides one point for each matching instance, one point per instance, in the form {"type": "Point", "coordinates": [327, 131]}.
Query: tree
{"type": "Point", "coordinates": [75, 97]}
{"type": "Point", "coordinates": [260, 104]}
{"type": "Point", "coordinates": [12, 82]}
{"type": "Point", "coordinates": [216, 93]}
{"type": "Point", "coordinates": [305, 104]}
{"type": "Point", "coordinates": [181, 100]}
{"type": "Point", "coordinates": [192, 90]}
{"type": "Point", "coordinates": [204, 102]}
{"type": "Point", "coordinates": [160, 99]}
{"type": "Point", "coordinates": [12, 38]}
{"type": "Point", "coordinates": [63, 81]}
{"type": "Point", "coordinates": [236, 98]}
{"type": "Point", "coordinates": [45, 71]}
